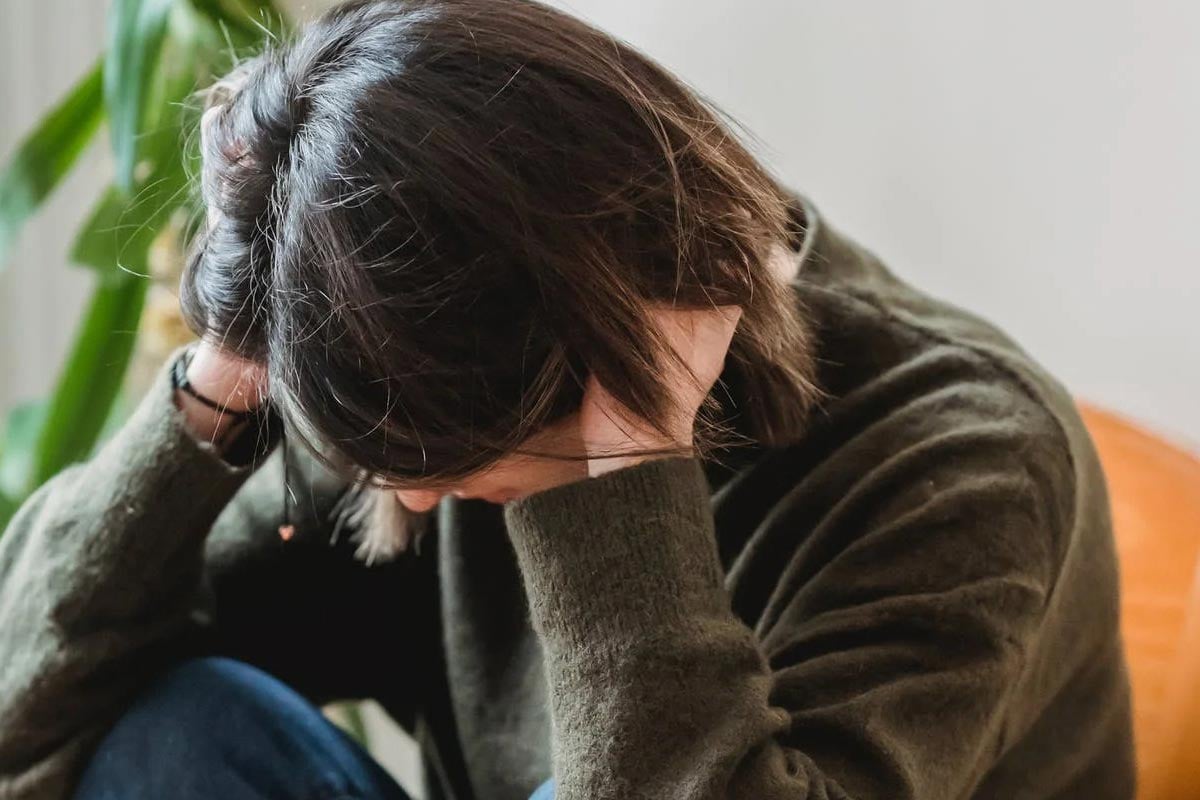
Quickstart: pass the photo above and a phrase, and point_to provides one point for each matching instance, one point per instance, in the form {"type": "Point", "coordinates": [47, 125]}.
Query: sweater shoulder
{"type": "Point", "coordinates": [931, 409]}
{"type": "Point", "coordinates": [885, 345]}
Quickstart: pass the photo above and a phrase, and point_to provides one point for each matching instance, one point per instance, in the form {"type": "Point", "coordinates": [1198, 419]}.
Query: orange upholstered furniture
{"type": "Point", "coordinates": [1155, 492]}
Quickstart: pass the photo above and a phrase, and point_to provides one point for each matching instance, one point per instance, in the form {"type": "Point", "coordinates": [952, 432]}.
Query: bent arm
{"type": "Point", "coordinates": [98, 574]}
{"type": "Point", "coordinates": [158, 549]}
{"type": "Point", "coordinates": [880, 668]}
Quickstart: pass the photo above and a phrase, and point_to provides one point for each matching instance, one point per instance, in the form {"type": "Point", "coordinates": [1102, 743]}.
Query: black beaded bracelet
{"type": "Point", "coordinates": [180, 382]}
{"type": "Point", "coordinates": [263, 414]}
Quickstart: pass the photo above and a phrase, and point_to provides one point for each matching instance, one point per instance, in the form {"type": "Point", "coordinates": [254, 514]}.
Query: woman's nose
{"type": "Point", "coordinates": [419, 500]}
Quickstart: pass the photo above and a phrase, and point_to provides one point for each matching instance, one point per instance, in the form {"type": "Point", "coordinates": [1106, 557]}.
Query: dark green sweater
{"type": "Point", "coordinates": [917, 600]}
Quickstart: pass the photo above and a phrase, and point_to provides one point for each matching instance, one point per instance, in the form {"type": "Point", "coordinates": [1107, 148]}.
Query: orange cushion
{"type": "Point", "coordinates": [1154, 488]}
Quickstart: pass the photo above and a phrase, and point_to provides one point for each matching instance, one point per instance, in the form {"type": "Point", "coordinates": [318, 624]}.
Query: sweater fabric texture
{"type": "Point", "coordinates": [915, 601]}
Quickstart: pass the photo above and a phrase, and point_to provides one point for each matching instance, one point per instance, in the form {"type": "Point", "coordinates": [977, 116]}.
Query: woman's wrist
{"type": "Point", "coordinates": [233, 383]}
{"type": "Point", "coordinates": [219, 393]}
{"type": "Point", "coordinates": [206, 424]}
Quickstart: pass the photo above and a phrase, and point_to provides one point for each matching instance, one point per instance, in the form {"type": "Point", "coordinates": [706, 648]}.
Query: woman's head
{"type": "Point", "coordinates": [432, 219]}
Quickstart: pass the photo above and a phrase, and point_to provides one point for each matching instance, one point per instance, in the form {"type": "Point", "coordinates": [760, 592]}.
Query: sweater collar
{"type": "Point", "coordinates": [807, 230]}
{"type": "Point", "coordinates": [809, 240]}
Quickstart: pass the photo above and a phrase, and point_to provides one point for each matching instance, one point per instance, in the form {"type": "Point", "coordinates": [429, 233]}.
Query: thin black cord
{"type": "Point", "coordinates": [287, 530]}
{"type": "Point", "coordinates": [180, 382]}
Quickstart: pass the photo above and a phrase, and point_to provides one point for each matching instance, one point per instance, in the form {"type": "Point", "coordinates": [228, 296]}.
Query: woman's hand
{"type": "Point", "coordinates": [604, 432]}
{"type": "Point", "coordinates": [614, 437]}
{"type": "Point", "coordinates": [235, 383]}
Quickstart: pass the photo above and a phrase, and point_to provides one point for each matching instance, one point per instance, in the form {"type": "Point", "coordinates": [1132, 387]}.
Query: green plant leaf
{"type": "Point", "coordinates": [135, 38]}
{"type": "Point", "coordinates": [112, 237]}
{"type": "Point", "coordinates": [122, 225]}
{"type": "Point", "coordinates": [91, 377]}
{"type": "Point", "coordinates": [156, 51]}
{"type": "Point", "coordinates": [116, 238]}
{"type": "Point", "coordinates": [47, 154]}
{"type": "Point", "coordinates": [20, 438]}
{"type": "Point", "coordinates": [18, 443]}
{"type": "Point", "coordinates": [118, 234]}
{"type": "Point", "coordinates": [248, 22]}
{"type": "Point", "coordinates": [8, 507]}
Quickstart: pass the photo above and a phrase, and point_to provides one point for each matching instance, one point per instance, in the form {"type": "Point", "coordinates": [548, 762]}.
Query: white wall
{"type": "Point", "coordinates": [1037, 162]}
{"type": "Point", "coordinates": [45, 46]}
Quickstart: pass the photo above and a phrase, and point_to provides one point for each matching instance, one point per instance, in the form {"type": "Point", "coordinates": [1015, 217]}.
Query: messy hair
{"type": "Point", "coordinates": [434, 219]}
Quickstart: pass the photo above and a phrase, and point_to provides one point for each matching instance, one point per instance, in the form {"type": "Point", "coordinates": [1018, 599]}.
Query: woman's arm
{"type": "Point", "coordinates": [104, 580]}
{"type": "Point", "coordinates": [892, 621]}
{"type": "Point", "coordinates": [880, 668]}
{"type": "Point", "coordinates": [98, 573]}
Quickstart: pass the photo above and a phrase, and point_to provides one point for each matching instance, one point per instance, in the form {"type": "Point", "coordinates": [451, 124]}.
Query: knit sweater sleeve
{"type": "Point", "coordinates": [154, 550]}
{"type": "Point", "coordinates": [98, 570]}
{"type": "Point", "coordinates": [879, 667]}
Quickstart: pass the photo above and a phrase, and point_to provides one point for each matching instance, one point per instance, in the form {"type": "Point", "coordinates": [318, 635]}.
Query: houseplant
{"type": "Point", "coordinates": [141, 93]}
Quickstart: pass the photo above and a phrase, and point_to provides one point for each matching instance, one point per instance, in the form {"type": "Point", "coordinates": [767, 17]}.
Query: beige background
{"type": "Point", "coordinates": [1035, 161]}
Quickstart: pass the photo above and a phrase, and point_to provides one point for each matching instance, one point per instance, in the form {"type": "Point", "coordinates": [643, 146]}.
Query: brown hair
{"type": "Point", "coordinates": [432, 219]}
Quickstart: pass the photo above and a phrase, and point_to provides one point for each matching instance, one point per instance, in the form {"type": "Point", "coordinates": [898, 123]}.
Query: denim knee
{"type": "Point", "coordinates": [215, 727]}
{"type": "Point", "coordinates": [544, 792]}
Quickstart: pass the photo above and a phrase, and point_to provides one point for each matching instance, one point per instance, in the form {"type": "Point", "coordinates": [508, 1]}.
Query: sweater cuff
{"type": "Point", "coordinates": [617, 558]}
{"type": "Point", "coordinates": [154, 485]}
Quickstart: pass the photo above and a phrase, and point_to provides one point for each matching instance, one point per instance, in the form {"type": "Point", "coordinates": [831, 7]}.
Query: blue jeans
{"type": "Point", "coordinates": [218, 728]}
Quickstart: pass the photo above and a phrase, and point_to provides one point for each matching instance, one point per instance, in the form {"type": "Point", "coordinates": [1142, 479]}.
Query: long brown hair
{"type": "Point", "coordinates": [432, 219]}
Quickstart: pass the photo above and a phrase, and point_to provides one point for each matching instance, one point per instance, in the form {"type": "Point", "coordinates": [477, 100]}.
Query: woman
{"type": "Point", "coordinates": [615, 471]}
